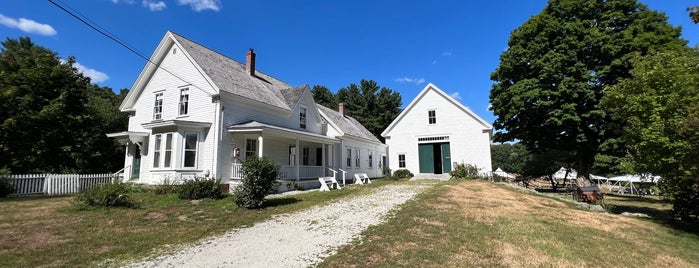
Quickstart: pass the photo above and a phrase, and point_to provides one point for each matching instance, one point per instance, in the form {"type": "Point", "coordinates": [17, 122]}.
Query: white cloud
{"type": "Point", "coordinates": [446, 54]}
{"type": "Point", "coordinates": [456, 96]}
{"type": "Point", "coordinates": [434, 62]}
{"type": "Point", "coordinates": [124, 1]}
{"type": "Point", "coordinates": [200, 5]}
{"type": "Point", "coordinates": [154, 6]}
{"type": "Point", "coordinates": [95, 75]}
{"type": "Point", "coordinates": [27, 26]}
{"type": "Point", "coordinates": [416, 81]}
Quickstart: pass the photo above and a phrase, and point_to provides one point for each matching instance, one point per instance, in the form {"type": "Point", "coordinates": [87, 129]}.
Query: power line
{"type": "Point", "coordinates": [85, 20]}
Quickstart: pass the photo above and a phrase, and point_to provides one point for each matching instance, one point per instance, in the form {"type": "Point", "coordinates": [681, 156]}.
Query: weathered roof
{"type": "Point", "coordinates": [293, 95]}
{"type": "Point", "coordinates": [347, 124]}
{"type": "Point", "coordinates": [231, 76]}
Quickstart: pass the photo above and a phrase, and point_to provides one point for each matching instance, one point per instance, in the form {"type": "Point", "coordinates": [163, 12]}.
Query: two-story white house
{"type": "Point", "coordinates": [195, 112]}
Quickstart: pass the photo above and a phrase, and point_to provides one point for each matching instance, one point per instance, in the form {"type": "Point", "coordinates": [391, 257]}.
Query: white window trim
{"type": "Point", "coordinates": [180, 102]}
{"type": "Point", "coordinates": [303, 121]}
{"type": "Point", "coordinates": [157, 147]}
{"type": "Point", "coordinates": [158, 106]}
{"type": "Point", "coordinates": [348, 164]}
{"type": "Point", "coordinates": [357, 161]}
{"type": "Point", "coordinates": [184, 150]}
{"type": "Point", "coordinates": [405, 162]}
{"type": "Point", "coordinates": [429, 117]}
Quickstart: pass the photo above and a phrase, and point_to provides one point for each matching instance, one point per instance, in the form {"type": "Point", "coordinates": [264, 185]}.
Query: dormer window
{"type": "Point", "coordinates": [302, 117]}
{"type": "Point", "coordinates": [158, 107]}
{"type": "Point", "coordinates": [184, 101]}
{"type": "Point", "coordinates": [431, 117]}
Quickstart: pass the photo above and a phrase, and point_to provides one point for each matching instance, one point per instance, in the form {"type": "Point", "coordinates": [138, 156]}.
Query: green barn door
{"type": "Point", "coordinates": [426, 158]}
{"type": "Point", "coordinates": [446, 158]}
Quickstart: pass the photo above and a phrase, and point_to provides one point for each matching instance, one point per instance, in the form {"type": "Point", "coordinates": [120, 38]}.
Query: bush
{"type": "Point", "coordinates": [114, 194]}
{"type": "Point", "coordinates": [200, 188]}
{"type": "Point", "coordinates": [6, 187]}
{"type": "Point", "coordinates": [402, 174]}
{"type": "Point", "coordinates": [167, 186]}
{"type": "Point", "coordinates": [464, 171]}
{"type": "Point", "coordinates": [259, 175]}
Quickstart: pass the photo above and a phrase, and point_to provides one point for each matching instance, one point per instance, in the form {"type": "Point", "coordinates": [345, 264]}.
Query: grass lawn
{"type": "Point", "coordinates": [475, 223]}
{"type": "Point", "coordinates": [50, 232]}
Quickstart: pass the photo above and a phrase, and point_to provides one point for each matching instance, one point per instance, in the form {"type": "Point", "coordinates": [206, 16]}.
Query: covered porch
{"type": "Point", "coordinates": [301, 156]}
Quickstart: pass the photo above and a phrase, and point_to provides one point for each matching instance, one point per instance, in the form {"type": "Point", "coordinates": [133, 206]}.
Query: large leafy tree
{"type": "Point", "coordinates": [551, 78]}
{"type": "Point", "coordinates": [509, 157]}
{"type": "Point", "coordinates": [659, 105]}
{"type": "Point", "coordinates": [372, 105]}
{"type": "Point", "coordinates": [52, 119]}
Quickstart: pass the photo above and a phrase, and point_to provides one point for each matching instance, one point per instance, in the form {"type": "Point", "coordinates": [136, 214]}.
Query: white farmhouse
{"type": "Point", "coordinates": [195, 112]}
{"type": "Point", "coordinates": [436, 132]}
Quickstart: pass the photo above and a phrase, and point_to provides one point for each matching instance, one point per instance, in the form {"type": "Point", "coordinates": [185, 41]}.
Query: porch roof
{"type": "Point", "coordinates": [126, 136]}
{"type": "Point", "coordinates": [254, 127]}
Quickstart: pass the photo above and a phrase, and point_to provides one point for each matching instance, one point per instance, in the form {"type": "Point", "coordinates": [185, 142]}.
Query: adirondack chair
{"type": "Point", "coordinates": [361, 178]}
{"type": "Point", "coordinates": [327, 183]}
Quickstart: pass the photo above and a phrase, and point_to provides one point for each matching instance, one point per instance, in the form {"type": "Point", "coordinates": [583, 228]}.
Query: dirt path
{"type": "Point", "coordinates": [292, 240]}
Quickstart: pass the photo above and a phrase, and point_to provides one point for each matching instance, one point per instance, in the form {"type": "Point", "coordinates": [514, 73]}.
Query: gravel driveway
{"type": "Point", "coordinates": [292, 240]}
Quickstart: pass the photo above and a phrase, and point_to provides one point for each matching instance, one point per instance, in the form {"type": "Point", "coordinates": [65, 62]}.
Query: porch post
{"type": "Point", "coordinates": [260, 146]}
{"type": "Point", "coordinates": [296, 159]}
{"type": "Point", "coordinates": [322, 157]}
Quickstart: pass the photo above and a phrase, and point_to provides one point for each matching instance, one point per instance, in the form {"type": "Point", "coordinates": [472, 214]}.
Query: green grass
{"type": "Point", "coordinates": [50, 231]}
{"type": "Point", "coordinates": [481, 224]}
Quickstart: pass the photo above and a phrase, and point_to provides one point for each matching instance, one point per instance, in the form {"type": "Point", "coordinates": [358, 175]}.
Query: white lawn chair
{"type": "Point", "coordinates": [327, 183]}
{"type": "Point", "coordinates": [361, 178]}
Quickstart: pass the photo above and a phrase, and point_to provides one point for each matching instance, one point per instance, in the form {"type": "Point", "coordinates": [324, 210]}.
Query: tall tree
{"type": "Point", "coordinates": [551, 78]}
{"type": "Point", "coordinates": [372, 105]}
{"type": "Point", "coordinates": [51, 118]}
{"type": "Point", "coordinates": [323, 96]}
{"type": "Point", "coordinates": [509, 157]}
{"type": "Point", "coordinates": [659, 105]}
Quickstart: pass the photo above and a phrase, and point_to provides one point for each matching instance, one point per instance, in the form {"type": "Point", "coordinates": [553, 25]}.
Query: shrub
{"type": "Point", "coordinates": [464, 171]}
{"type": "Point", "coordinates": [402, 174]}
{"type": "Point", "coordinates": [200, 188]}
{"type": "Point", "coordinates": [114, 194]}
{"type": "Point", "coordinates": [259, 175]}
{"type": "Point", "coordinates": [6, 187]}
{"type": "Point", "coordinates": [167, 186]}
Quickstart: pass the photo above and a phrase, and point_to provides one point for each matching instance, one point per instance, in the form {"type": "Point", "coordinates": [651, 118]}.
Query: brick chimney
{"type": "Point", "coordinates": [250, 62]}
{"type": "Point", "coordinates": [341, 108]}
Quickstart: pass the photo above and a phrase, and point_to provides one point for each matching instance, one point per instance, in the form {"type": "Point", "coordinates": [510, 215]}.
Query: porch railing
{"type": "Point", "coordinates": [285, 172]}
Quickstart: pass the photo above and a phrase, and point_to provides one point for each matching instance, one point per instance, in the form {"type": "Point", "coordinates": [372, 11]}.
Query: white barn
{"type": "Point", "coordinates": [434, 133]}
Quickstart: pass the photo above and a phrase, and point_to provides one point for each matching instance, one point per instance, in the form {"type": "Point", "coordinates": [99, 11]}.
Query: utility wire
{"type": "Point", "coordinates": [106, 33]}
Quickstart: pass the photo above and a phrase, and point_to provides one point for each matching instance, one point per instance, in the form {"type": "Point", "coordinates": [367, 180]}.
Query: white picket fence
{"type": "Point", "coordinates": [57, 184]}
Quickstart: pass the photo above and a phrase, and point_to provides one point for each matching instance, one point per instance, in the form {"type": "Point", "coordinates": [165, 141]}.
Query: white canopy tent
{"type": "Point", "coordinates": [503, 174]}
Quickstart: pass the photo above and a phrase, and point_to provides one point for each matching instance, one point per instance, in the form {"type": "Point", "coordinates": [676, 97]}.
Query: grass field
{"type": "Point", "coordinates": [482, 224]}
{"type": "Point", "coordinates": [470, 223]}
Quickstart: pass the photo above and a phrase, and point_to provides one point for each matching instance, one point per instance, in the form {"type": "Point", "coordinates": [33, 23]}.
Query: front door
{"type": "Point", "coordinates": [136, 164]}
{"type": "Point", "coordinates": [434, 158]}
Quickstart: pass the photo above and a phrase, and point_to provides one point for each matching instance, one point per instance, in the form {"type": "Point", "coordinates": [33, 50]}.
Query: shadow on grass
{"type": "Point", "coordinates": [661, 216]}
{"type": "Point", "coordinates": [275, 202]}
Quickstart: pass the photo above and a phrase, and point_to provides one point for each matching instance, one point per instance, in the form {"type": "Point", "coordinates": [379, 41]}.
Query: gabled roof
{"type": "Point", "coordinates": [430, 86]}
{"type": "Point", "coordinates": [292, 96]}
{"type": "Point", "coordinates": [347, 124]}
{"type": "Point", "coordinates": [223, 74]}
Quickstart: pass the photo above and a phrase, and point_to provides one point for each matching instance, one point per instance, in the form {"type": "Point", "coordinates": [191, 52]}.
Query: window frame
{"type": "Point", "coordinates": [250, 148]}
{"type": "Point", "coordinates": [401, 162]}
{"type": "Point", "coordinates": [158, 106]}
{"type": "Point", "coordinates": [303, 117]}
{"type": "Point", "coordinates": [371, 159]}
{"type": "Point", "coordinates": [186, 150]}
{"type": "Point", "coordinates": [183, 105]}
{"type": "Point", "coordinates": [157, 146]}
{"type": "Point", "coordinates": [305, 151]}
{"type": "Point", "coordinates": [432, 117]}
{"type": "Point", "coordinates": [356, 158]}
{"type": "Point", "coordinates": [348, 157]}
{"type": "Point", "coordinates": [167, 156]}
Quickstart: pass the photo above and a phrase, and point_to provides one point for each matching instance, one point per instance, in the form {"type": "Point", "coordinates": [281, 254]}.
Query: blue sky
{"type": "Point", "coordinates": [403, 45]}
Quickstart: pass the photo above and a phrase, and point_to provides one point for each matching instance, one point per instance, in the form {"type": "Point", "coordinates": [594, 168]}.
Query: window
{"type": "Point", "coordinates": [302, 118]}
{"type": "Point", "coordinates": [168, 150]}
{"type": "Point", "coordinates": [349, 157]}
{"type": "Point", "coordinates": [371, 159]}
{"type": "Point", "coordinates": [156, 150]}
{"type": "Point", "coordinates": [184, 101]}
{"type": "Point", "coordinates": [356, 158]}
{"type": "Point", "coordinates": [432, 117]}
{"type": "Point", "coordinates": [401, 161]}
{"type": "Point", "coordinates": [250, 147]}
{"type": "Point", "coordinates": [158, 107]}
{"type": "Point", "coordinates": [304, 156]}
{"type": "Point", "coordinates": [190, 149]}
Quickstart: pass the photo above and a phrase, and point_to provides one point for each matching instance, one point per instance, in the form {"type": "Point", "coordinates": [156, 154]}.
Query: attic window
{"type": "Point", "coordinates": [174, 51]}
{"type": "Point", "coordinates": [302, 117]}
{"type": "Point", "coordinates": [432, 117]}
{"type": "Point", "coordinates": [184, 101]}
{"type": "Point", "coordinates": [158, 107]}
